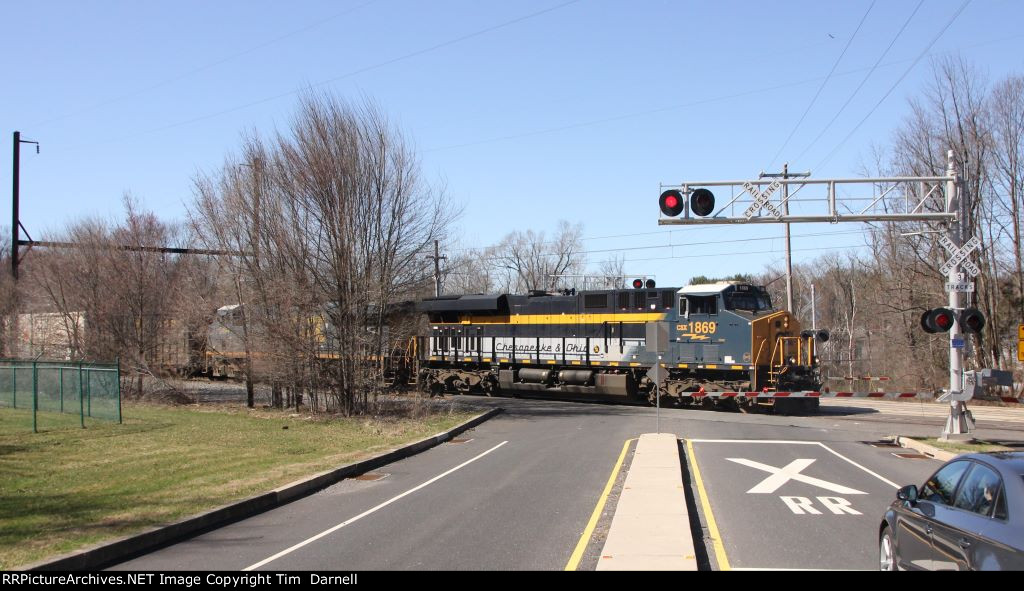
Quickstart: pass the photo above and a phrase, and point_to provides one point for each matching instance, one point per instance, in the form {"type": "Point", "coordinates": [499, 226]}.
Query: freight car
{"type": "Point", "coordinates": [725, 336]}
{"type": "Point", "coordinates": [224, 354]}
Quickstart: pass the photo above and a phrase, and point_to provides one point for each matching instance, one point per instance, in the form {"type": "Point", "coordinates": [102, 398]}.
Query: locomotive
{"type": "Point", "coordinates": [718, 337]}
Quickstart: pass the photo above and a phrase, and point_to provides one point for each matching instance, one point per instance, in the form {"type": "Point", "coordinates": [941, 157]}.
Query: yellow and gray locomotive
{"type": "Point", "coordinates": [706, 339]}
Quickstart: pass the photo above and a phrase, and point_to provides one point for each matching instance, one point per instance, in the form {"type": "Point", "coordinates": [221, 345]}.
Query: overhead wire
{"type": "Point", "coordinates": [207, 66]}
{"type": "Point", "coordinates": [457, 264]}
{"type": "Point", "coordinates": [362, 70]}
{"type": "Point", "coordinates": [823, 84]}
{"type": "Point", "coordinates": [663, 246]}
{"type": "Point", "coordinates": [895, 84]}
{"type": "Point", "coordinates": [863, 81]}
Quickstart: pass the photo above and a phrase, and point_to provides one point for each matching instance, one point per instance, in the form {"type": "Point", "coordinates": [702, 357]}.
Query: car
{"type": "Point", "coordinates": [968, 516]}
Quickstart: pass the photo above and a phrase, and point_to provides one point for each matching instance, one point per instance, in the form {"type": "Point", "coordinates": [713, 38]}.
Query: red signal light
{"type": "Point", "coordinates": [638, 283]}
{"type": "Point", "coordinates": [937, 320]}
{"type": "Point", "coordinates": [671, 203]}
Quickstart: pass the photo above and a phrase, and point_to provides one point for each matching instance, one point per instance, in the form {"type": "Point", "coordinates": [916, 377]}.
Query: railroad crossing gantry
{"type": "Point", "coordinates": [887, 199]}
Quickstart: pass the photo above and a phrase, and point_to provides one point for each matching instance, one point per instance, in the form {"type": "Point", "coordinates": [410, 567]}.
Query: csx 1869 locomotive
{"type": "Point", "coordinates": [716, 337]}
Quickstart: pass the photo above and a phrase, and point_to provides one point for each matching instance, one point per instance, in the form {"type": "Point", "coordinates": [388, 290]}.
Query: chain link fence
{"type": "Point", "coordinates": [69, 387]}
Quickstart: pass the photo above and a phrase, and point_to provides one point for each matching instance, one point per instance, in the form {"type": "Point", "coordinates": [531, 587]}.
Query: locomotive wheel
{"type": "Point", "coordinates": [666, 400]}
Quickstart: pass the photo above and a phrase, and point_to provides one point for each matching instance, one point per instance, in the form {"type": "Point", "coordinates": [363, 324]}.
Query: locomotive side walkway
{"type": "Point", "coordinates": [651, 526]}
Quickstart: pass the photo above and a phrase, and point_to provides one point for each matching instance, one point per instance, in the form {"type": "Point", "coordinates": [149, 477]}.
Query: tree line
{"type": "Point", "coordinates": [327, 227]}
{"type": "Point", "coordinates": [873, 303]}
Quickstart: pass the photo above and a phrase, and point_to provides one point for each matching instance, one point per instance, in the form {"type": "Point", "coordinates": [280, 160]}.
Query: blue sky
{"type": "Point", "coordinates": [529, 111]}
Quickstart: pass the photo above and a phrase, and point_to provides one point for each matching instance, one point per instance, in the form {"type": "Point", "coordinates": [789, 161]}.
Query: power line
{"type": "Point", "coordinates": [588, 123]}
{"type": "Point", "coordinates": [701, 256]}
{"type": "Point", "coordinates": [823, 83]}
{"type": "Point", "coordinates": [863, 81]}
{"type": "Point", "coordinates": [663, 246]}
{"type": "Point", "coordinates": [689, 231]}
{"type": "Point", "coordinates": [897, 83]}
{"type": "Point", "coordinates": [350, 74]}
{"type": "Point", "coordinates": [207, 66]}
{"type": "Point", "coordinates": [688, 256]}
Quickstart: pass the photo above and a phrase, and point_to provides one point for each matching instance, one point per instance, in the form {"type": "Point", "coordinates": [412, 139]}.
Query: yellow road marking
{"type": "Point", "coordinates": [577, 555]}
{"type": "Point", "coordinates": [716, 538]}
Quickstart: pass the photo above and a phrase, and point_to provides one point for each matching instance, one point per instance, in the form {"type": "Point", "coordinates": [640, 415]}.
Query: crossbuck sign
{"type": "Point", "coordinates": [958, 256]}
{"type": "Point", "coordinates": [761, 199]}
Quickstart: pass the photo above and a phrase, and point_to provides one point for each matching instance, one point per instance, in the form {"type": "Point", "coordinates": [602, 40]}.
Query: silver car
{"type": "Point", "coordinates": [968, 516]}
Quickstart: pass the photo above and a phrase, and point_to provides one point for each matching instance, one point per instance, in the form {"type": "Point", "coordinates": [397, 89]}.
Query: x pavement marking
{"type": "Point", "coordinates": [780, 476]}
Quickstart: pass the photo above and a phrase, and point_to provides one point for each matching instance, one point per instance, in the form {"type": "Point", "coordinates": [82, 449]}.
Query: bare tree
{"type": "Point", "coordinates": [612, 272]}
{"type": "Point", "coordinates": [116, 298]}
{"type": "Point", "coordinates": [332, 222]}
{"type": "Point", "coordinates": [533, 263]}
{"type": "Point", "coordinates": [1006, 121]}
{"type": "Point", "coordinates": [8, 297]}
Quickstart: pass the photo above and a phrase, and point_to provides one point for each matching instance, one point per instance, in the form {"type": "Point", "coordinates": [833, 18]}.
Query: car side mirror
{"type": "Point", "coordinates": [907, 494]}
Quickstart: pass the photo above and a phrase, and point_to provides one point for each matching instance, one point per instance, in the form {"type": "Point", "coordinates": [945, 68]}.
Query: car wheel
{"type": "Point", "coordinates": [886, 552]}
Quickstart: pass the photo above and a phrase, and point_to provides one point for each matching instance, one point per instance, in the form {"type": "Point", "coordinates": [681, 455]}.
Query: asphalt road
{"type": "Point", "coordinates": [517, 492]}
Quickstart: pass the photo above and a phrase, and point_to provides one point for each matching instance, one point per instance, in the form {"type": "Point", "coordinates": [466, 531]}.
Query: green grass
{"type": "Point", "coordinates": [961, 447]}
{"type": "Point", "coordinates": [67, 487]}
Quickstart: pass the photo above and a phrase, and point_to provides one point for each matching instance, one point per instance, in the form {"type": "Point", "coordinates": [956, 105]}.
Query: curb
{"type": "Point", "coordinates": [109, 553]}
{"type": "Point", "coordinates": [925, 449]}
{"type": "Point", "coordinates": [650, 527]}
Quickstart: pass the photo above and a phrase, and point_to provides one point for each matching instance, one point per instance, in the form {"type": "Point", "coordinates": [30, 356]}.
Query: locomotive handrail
{"type": "Point", "coordinates": [758, 356]}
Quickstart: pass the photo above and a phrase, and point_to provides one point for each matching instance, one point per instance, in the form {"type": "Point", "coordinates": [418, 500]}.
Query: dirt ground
{"type": "Point", "coordinates": [212, 393]}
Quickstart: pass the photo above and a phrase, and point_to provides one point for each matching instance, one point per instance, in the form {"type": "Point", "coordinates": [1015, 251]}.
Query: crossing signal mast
{"type": "Point", "coordinates": [886, 199]}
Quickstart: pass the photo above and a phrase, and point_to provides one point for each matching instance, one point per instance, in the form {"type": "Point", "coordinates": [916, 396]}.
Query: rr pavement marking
{"type": "Point", "coordinates": [368, 512]}
{"type": "Point", "coordinates": [716, 537]}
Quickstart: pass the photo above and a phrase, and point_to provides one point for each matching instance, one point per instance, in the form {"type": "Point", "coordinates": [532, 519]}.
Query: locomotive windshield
{"type": "Point", "coordinates": [749, 299]}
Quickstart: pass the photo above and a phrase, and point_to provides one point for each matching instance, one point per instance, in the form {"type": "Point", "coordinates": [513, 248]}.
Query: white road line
{"type": "Point", "coordinates": [885, 480]}
{"type": "Point", "coordinates": [365, 513]}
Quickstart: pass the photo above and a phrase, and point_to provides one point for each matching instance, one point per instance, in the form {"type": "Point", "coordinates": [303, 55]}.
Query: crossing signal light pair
{"type": "Point", "coordinates": [942, 319]}
{"type": "Point", "coordinates": [673, 202]}
{"type": "Point", "coordinates": [639, 283]}
{"type": "Point", "coordinates": [972, 320]}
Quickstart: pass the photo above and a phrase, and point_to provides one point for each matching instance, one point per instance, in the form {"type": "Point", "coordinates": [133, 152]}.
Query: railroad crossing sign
{"type": "Point", "coordinates": [958, 256]}
{"type": "Point", "coordinates": [761, 199]}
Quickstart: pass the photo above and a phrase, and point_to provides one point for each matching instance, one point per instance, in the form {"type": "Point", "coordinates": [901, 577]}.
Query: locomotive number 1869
{"type": "Point", "coordinates": [698, 327]}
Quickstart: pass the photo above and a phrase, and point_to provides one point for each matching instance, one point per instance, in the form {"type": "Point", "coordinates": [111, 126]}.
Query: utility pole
{"type": "Point", "coordinates": [15, 193]}
{"type": "Point", "coordinates": [814, 322]}
{"type": "Point", "coordinates": [437, 268]}
{"type": "Point", "coordinates": [785, 174]}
